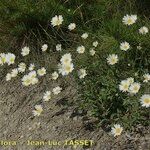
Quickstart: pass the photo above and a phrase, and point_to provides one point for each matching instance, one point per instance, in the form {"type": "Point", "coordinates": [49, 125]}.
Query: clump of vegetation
{"type": "Point", "coordinates": [105, 44]}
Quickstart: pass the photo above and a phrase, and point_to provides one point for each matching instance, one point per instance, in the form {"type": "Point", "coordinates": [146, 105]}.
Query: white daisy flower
{"type": "Point", "coordinates": [57, 20]}
{"type": "Point", "coordinates": [112, 59]}
{"type": "Point", "coordinates": [145, 100]}
{"type": "Point", "coordinates": [55, 75]}
{"type": "Point", "coordinates": [92, 52]}
{"type": "Point", "coordinates": [129, 19]}
{"type": "Point", "coordinates": [116, 130]}
{"type": "Point", "coordinates": [47, 96]}
{"type": "Point", "coordinates": [95, 44]}
{"type": "Point", "coordinates": [68, 68]}
{"type": "Point", "coordinates": [3, 58]}
{"type": "Point", "coordinates": [25, 51]}
{"type": "Point", "coordinates": [143, 30]}
{"type": "Point", "coordinates": [134, 88]}
{"type": "Point", "coordinates": [57, 90]}
{"type": "Point", "coordinates": [124, 46]}
{"type": "Point", "coordinates": [124, 86]}
{"type": "Point", "coordinates": [38, 110]}
{"type": "Point", "coordinates": [66, 59]}
{"type": "Point", "coordinates": [58, 47]}
{"type": "Point", "coordinates": [22, 67]}
{"type": "Point", "coordinates": [14, 72]}
{"type": "Point", "coordinates": [10, 58]}
{"type": "Point", "coordinates": [139, 47]}
{"type": "Point", "coordinates": [82, 73]}
{"type": "Point", "coordinates": [81, 49]}
{"type": "Point", "coordinates": [72, 26]}
{"type": "Point", "coordinates": [30, 79]}
{"type": "Point", "coordinates": [130, 80]}
{"type": "Point", "coordinates": [32, 74]}
{"type": "Point", "coordinates": [44, 47]}
{"type": "Point", "coordinates": [146, 77]}
{"type": "Point", "coordinates": [8, 77]}
{"type": "Point", "coordinates": [31, 67]}
{"type": "Point", "coordinates": [34, 81]}
{"type": "Point", "coordinates": [65, 69]}
{"type": "Point", "coordinates": [26, 80]}
{"type": "Point", "coordinates": [41, 72]}
{"type": "Point", "coordinates": [84, 35]}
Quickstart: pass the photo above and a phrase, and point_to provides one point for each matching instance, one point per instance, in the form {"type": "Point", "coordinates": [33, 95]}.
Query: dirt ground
{"type": "Point", "coordinates": [58, 122]}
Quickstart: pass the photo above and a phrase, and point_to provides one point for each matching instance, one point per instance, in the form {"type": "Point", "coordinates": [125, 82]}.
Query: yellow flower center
{"type": "Point", "coordinates": [130, 21]}
{"type": "Point", "coordinates": [12, 60]}
{"type": "Point", "coordinates": [135, 88]}
{"type": "Point", "coordinates": [147, 100]}
{"type": "Point", "coordinates": [113, 60]}
{"type": "Point", "coordinates": [3, 59]}
{"type": "Point", "coordinates": [125, 46]}
{"type": "Point", "coordinates": [39, 110]}
{"type": "Point", "coordinates": [58, 22]}
{"type": "Point", "coordinates": [126, 86]}
{"type": "Point", "coordinates": [118, 131]}
{"type": "Point", "coordinates": [68, 68]}
{"type": "Point", "coordinates": [66, 61]}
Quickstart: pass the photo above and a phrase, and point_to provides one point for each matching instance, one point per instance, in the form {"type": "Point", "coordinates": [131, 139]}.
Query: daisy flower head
{"type": "Point", "coordinates": [38, 110]}
{"type": "Point", "coordinates": [55, 75]}
{"type": "Point", "coordinates": [31, 67]}
{"type": "Point", "coordinates": [130, 80]}
{"type": "Point", "coordinates": [41, 72]}
{"type": "Point", "coordinates": [3, 58]}
{"type": "Point", "coordinates": [34, 80]}
{"type": "Point", "coordinates": [57, 90]}
{"type": "Point", "coordinates": [47, 96]}
{"type": "Point", "coordinates": [139, 47]}
{"type": "Point", "coordinates": [129, 19]}
{"type": "Point", "coordinates": [134, 88]}
{"type": "Point", "coordinates": [145, 100]}
{"type": "Point", "coordinates": [84, 35]}
{"type": "Point", "coordinates": [92, 52]}
{"type": "Point", "coordinates": [10, 58]}
{"type": "Point", "coordinates": [57, 20]}
{"type": "Point", "coordinates": [65, 69]}
{"type": "Point", "coordinates": [95, 44]}
{"type": "Point", "coordinates": [68, 68]}
{"type": "Point", "coordinates": [44, 47]}
{"type": "Point", "coordinates": [124, 86]}
{"type": "Point", "coordinates": [146, 77]}
{"type": "Point", "coordinates": [22, 67]}
{"type": "Point", "coordinates": [25, 51]}
{"type": "Point", "coordinates": [58, 47]}
{"type": "Point", "coordinates": [82, 73]}
{"type": "Point", "coordinates": [116, 130]}
{"type": "Point", "coordinates": [66, 59]}
{"type": "Point", "coordinates": [32, 74]}
{"type": "Point", "coordinates": [124, 46]}
{"type": "Point", "coordinates": [81, 49]}
{"type": "Point", "coordinates": [143, 30]}
{"type": "Point", "coordinates": [14, 72]}
{"type": "Point", "coordinates": [26, 80]}
{"type": "Point", "coordinates": [112, 59]}
{"type": "Point", "coordinates": [8, 77]}
{"type": "Point", "coordinates": [72, 26]}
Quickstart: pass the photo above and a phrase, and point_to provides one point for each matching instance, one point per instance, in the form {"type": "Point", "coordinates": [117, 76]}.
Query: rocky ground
{"type": "Point", "coordinates": [59, 121]}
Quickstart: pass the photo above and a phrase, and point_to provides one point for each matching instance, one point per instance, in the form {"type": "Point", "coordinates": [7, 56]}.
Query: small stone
{"type": "Point", "coordinates": [75, 118]}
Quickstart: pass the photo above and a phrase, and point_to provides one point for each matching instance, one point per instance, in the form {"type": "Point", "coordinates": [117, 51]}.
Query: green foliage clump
{"type": "Point", "coordinates": [100, 89]}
